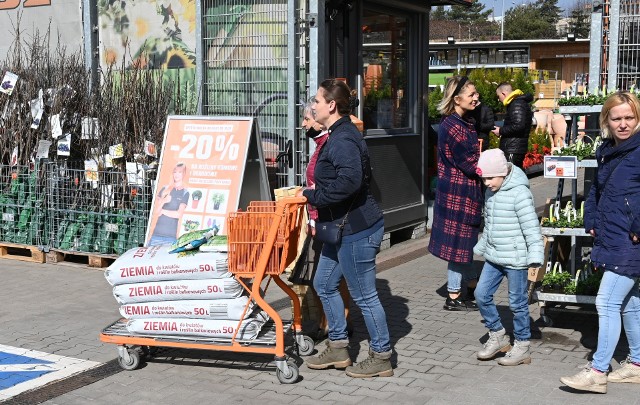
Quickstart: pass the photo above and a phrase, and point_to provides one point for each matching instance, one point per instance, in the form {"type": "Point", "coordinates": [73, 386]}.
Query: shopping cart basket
{"type": "Point", "coordinates": [263, 241]}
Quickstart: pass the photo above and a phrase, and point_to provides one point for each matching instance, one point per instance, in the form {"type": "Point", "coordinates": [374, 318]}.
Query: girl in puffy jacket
{"type": "Point", "coordinates": [511, 243]}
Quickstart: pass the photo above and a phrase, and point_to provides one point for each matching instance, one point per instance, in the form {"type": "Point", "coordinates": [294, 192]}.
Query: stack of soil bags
{"type": "Point", "coordinates": [183, 294]}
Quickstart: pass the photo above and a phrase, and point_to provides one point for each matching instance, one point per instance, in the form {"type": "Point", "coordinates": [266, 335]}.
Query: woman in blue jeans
{"type": "Point", "coordinates": [612, 217]}
{"type": "Point", "coordinates": [341, 194]}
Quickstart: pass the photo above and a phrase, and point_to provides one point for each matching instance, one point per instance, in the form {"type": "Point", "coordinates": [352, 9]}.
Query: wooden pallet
{"type": "Point", "coordinates": [25, 253]}
{"type": "Point", "coordinates": [80, 259]}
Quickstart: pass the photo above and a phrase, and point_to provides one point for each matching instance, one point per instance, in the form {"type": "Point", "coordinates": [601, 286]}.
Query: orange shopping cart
{"type": "Point", "coordinates": [263, 241]}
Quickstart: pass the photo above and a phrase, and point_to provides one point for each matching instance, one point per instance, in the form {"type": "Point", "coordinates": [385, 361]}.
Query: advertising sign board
{"type": "Point", "coordinates": [208, 166]}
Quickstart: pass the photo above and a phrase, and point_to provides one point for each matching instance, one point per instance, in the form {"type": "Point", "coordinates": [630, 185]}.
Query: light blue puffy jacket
{"type": "Point", "coordinates": [511, 235]}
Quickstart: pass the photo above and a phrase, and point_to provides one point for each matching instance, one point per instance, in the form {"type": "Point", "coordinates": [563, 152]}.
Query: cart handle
{"type": "Point", "coordinates": [292, 200]}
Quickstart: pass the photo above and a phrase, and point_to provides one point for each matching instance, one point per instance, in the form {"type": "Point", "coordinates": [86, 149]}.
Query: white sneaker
{"type": "Point", "coordinates": [587, 380]}
{"type": "Point", "coordinates": [628, 373]}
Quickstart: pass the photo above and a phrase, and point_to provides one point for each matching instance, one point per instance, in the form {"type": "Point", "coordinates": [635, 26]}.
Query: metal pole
{"type": "Point", "coordinates": [199, 59]}
{"type": "Point", "coordinates": [292, 67]}
{"type": "Point", "coordinates": [614, 34]}
{"type": "Point", "coordinates": [90, 30]}
{"type": "Point", "coordinates": [595, 51]}
{"type": "Point", "coordinates": [316, 45]}
{"type": "Point", "coordinates": [502, 23]}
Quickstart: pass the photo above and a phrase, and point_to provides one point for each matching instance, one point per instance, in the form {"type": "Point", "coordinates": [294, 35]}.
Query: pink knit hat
{"type": "Point", "coordinates": [492, 163]}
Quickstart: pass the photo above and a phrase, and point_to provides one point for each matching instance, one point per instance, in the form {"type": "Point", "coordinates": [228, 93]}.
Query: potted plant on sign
{"type": "Point", "coordinates": [195, 199]}
{"type": "Point", "coordinates": [217, 199]}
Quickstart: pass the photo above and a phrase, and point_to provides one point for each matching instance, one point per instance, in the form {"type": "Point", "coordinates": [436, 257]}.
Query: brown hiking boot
{"type": "Point", "coordinates": [376, 365]}
{"type": "Point", "coordinates": [335, 355]}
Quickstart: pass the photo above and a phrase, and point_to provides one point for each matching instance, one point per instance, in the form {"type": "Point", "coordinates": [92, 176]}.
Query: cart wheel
{"type": "Point", "coordinates": [134, 360]}
{"type": "Point", "coordinates": [546, 320]}
{"type": "Point", "coordinates": [306, 346]}
{"type": "Point", "coordinates": [294, 373]}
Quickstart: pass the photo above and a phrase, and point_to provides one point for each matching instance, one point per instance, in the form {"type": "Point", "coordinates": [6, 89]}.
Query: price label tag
{"type": "Point", "coordinates": [561, 167]}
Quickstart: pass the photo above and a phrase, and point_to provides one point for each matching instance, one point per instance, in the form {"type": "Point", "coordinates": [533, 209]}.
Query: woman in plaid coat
{"type": "Point", "coordinates": [458, 206]}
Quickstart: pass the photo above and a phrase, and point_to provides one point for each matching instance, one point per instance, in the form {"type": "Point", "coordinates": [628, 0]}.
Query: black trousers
{"type": "Point", "coordinates": [516, 158]}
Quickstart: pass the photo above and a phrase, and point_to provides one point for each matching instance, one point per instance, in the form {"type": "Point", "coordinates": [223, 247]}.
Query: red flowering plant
{"type": "Point", "coordinates": [539, 145]}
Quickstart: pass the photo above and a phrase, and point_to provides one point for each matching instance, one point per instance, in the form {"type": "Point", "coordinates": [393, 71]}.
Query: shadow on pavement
{"type": "Point", "coordinates": [397, 312]}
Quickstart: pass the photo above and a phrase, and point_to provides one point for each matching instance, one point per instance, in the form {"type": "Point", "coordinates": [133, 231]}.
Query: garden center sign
{"type": "Point", "coordinates": [209, 166]}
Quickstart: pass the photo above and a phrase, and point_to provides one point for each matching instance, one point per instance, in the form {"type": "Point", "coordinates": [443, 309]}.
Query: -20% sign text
{"type": "Point", "coordinates": [203, 146]}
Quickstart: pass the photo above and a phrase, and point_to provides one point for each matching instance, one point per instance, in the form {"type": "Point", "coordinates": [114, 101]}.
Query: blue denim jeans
{"type": "Point", "coordinates": [490, 279]}
{"type": "Point", "coordinates": [457, 273]}
{"type": "Point", "coordinates": [617, 294]}
{"type": "Point", "coordinates": [356, 262]}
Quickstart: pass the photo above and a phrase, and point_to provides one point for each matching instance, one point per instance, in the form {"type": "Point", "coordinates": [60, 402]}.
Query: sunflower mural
{"type": "Point", "coordinates": [156, 34]}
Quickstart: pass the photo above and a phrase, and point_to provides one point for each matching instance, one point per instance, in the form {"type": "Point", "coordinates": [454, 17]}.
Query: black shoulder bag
{"type": "Point", "coordinates": [331, 232]}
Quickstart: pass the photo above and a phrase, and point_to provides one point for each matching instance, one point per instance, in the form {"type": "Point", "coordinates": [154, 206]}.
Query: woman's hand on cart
{"type": "Point", "coordinates": [301, 190]}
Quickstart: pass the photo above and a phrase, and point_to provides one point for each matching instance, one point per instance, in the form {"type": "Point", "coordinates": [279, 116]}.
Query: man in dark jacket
{"type": "Point", "coordinates": [514, 133]}
{"type": "Point", "coordinates": [484, 122]}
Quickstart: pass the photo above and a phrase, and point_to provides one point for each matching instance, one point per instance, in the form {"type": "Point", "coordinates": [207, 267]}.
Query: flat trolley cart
{"type": "Point", "coordinates": [263, 241]}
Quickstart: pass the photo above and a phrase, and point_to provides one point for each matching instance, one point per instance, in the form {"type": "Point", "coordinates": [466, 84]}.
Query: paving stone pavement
{"type": "Point", "coordinates": [60, 310]}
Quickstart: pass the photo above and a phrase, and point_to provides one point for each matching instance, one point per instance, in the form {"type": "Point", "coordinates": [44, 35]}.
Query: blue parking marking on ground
{"type": "Point", "coordinates": [11, 378]}
{"type": "Point", "coordinates": [9, 358]}
{"type": "Point", "coordinates": [23, 369]}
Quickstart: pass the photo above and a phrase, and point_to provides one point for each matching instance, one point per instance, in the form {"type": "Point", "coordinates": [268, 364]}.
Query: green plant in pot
{"type": "Point", "coordinates": [589, 283]}
{"type": "Point", "coordinates": [190, 225]}
{"type": "Point", "coordinates": [195, 199]}
{"type": "Point", "coordinates": [556, 280]}
{"type": "Point", "coordinates": [217, 199]}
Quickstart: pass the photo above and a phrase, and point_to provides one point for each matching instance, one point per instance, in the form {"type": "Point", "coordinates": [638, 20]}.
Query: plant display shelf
{"type": "Point", "coordinates": [588, 163]}
{"type": "Point", "coordinates": [580, 109]}
{"type": "Point", "coordinates": [566, 298]}
{"type": "Point", "coordinates": [549, 231]}
{"type": "Point", "coordinates": [562, 303]}
{"type": "Point", "coordinates": [559, 301]}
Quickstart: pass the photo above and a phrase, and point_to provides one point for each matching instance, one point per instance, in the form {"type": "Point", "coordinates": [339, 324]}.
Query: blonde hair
{"type": "Point", "coordinates": [447, 104]}
{"type": "Point", "coordinates": [614, 100]}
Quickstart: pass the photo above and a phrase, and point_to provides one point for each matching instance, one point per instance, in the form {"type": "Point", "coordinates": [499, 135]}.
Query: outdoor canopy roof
{"type": "Point", "coordinates": [418, 5]}
{"type": "Point", "coordinates": [450, 2]}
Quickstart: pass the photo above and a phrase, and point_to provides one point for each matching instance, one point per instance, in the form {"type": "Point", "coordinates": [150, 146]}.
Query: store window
{"type": "Point", "coordinates": [513, 56]}
{"type": "Point", "coordinates": [385, 70]}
